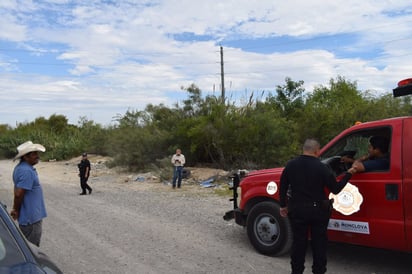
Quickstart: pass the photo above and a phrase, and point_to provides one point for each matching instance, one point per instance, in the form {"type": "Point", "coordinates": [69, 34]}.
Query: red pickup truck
{"type": "Point", "coordinates": [374, 209]}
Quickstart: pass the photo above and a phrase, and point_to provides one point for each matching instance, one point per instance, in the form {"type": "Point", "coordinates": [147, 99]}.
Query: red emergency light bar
{"type": "Point", "coordinates": [404, 88]}
{"type": "Point", "coordinates": [405, 82]}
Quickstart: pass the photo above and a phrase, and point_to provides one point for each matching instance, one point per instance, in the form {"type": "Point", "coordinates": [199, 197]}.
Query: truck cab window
{"type": "Point", "coordinates": [371, 147]}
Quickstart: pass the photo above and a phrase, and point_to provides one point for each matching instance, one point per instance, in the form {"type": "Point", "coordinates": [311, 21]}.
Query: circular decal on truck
{"type": "Point", "coordinates": [347, 201]}
{"type": "Point", "coordinates": [271, 188]}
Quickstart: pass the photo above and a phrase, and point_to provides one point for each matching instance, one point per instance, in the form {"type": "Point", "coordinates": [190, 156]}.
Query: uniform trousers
{"type": "Point", "coordinates": [309, 220]}
{"type": "Point", "coordinates": [84, 185]}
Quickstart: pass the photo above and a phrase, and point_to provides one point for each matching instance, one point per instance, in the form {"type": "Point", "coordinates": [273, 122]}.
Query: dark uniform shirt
{"type": "Point", "coordinates": [307, 178]}
{"type": "Point", "coordinates": [82, 168]}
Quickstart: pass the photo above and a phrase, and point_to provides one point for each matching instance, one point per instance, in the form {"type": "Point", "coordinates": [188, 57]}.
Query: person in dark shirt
{"type": "Point", "coordinates": [376, 159]}
{"type": "Point", "coordinates": [84, 173]}
{"type": "Point", "coordinates": [303, 200]}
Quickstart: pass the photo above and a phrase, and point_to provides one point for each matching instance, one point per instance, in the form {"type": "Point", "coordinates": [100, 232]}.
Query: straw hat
{"type": "Point", "coordinates": [28, 147]}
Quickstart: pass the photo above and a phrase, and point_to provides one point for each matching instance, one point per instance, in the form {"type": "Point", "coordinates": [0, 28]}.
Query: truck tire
{"type": "Point", "coordinates": [268, 232]}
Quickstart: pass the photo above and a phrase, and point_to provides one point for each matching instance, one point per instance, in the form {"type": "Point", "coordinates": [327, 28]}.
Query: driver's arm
{"type": "Point", "coordinates": [357, 167]}
{"type": "Point", "coordinates": [349, 160]}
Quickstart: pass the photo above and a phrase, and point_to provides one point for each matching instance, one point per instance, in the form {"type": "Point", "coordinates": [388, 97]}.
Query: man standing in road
{"type": "Point", "coordinates": [178, 160]}
{"type": "Point", "coordinates": [28, 205]}
{"type": "Point", "coordinates": [84, 173]}
{"type": "Point", "coordinates": [303, 199]}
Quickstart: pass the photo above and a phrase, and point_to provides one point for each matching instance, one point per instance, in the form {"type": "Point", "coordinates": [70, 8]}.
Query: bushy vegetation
{"type": "Point", "coordinates": [263, 132]}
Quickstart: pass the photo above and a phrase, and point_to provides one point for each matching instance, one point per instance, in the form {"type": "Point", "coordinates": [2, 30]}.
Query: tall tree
{"type": "Point", "coordinates": [289, 97]}
{"type": "Point", "coordinates": [331, 109]}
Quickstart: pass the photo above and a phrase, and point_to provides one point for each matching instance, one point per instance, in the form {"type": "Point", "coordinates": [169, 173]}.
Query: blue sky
{"type": "Point", "coordinates": [98, 59]}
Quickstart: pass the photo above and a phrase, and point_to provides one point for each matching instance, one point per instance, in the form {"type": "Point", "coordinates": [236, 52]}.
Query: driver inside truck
{"type": "Point", "coordinates": [376, 159]}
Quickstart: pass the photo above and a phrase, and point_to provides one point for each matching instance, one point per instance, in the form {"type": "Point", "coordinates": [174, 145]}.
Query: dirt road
{"type": "Point", "coordinates": [141, 227]}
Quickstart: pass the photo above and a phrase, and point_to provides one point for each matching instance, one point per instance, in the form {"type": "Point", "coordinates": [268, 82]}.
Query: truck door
{"type": "Point", "coordinates": [407, 178]}
{"type": "Point", "coordinates": [380, 219]}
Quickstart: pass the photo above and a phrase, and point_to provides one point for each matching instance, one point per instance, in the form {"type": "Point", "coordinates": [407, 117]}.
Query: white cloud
{"type": "Point", "coordinates": [126, 54]}
{"type": "Point", "coordinates": [10, 30]}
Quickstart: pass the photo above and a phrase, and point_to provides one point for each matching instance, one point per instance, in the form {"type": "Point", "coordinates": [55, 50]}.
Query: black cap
{"type": "Point", "coordinates": [84, 154]}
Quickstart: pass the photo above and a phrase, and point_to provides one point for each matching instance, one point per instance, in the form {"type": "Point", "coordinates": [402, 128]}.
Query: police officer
{"type": "Point", "coordinates": [84, 173]}
{"type": "Point", "coordinates": [303, 199]}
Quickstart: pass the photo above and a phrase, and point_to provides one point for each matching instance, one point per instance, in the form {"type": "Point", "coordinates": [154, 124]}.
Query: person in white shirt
{"type": "Point", "coordinates": [178, 160]}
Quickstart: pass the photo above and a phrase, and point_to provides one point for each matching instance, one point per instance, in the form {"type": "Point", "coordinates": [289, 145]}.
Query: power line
{"type": "Point", "coordinates": [329, 36]}
{"type": "Point", "coordinates": [146, 55]}
{"type": "Point", "coordinates": [186, 62]}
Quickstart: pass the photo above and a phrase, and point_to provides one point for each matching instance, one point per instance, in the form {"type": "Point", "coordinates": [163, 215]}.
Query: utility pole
{"type": "Point", "coordinates": [222, 74]}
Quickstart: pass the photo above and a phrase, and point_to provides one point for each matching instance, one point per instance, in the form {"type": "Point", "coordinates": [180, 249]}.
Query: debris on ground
{"type": "Point", "coordinates": [208, 183]}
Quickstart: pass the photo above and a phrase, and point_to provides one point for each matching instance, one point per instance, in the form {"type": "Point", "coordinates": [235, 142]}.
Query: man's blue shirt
{"type": "Point", "coordinates": [33, 208]}
{"type": "Point", "coordinates": [376, 164]}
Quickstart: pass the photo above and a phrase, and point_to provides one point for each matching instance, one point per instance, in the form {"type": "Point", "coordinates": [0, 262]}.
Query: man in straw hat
{"type": "Point", "coordinates": [28, 206]}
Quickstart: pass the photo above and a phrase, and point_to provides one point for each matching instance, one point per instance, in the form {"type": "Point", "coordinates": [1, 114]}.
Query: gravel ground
{"type": "Point", "coordinates": [127, 226]}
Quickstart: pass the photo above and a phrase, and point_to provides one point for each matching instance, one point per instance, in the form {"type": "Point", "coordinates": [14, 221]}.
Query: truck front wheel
{"type": "Point", "coordinates": [268, 232]}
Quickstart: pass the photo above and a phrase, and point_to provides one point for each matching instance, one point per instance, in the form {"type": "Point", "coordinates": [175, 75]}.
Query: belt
{"type": "Point", "coordinates": [320, 203]}
{"type": "Point", "coordinates": [312, 204]}
{"type": "Point", "coordinates": [28, 224]}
